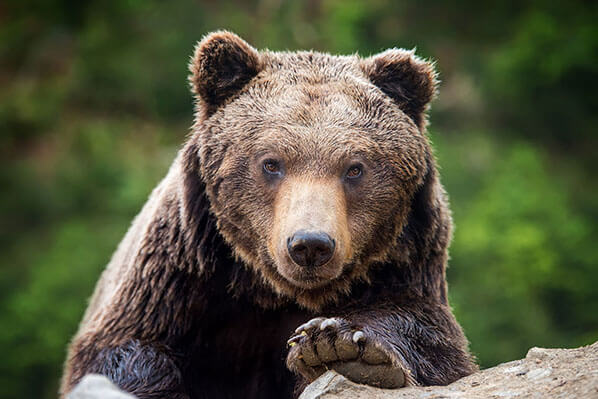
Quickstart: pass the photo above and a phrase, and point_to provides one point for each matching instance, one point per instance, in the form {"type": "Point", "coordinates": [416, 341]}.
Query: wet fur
{"type": "Point", "coordinates": [190, 307]}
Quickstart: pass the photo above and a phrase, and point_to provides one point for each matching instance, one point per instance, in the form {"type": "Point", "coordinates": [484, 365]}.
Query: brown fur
{"type": "Point", "coordinates": [201, 295]}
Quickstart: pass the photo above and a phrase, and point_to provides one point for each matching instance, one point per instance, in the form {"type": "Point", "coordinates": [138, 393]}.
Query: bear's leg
{"type": "Point", "coordinates": [145, 371]}
{"type": "Point", "coordinates": [387, 346]}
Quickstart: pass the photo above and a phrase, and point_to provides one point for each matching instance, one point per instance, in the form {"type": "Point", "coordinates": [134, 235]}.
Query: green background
{"type": "Point", "coordinates": [94, 104]}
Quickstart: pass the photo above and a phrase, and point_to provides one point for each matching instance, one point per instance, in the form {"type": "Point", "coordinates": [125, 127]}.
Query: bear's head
{"type": "Point", "coordinates": [312, 163]}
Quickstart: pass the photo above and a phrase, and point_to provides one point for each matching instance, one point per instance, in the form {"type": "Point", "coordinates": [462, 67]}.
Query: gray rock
{"type": "Point", "coordinates": [544, 373]}
{"type": "Point", "coordinates": [95, 386]}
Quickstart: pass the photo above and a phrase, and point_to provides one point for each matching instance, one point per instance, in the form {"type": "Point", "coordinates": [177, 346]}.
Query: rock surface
{"type": "Point", "coordinates": [95, 386]}
{"type": "Point", "coordinates": [544, 373]}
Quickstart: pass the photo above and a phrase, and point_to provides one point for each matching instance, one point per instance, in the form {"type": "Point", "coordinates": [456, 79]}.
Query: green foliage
{"type": "Point", "coordinates": [522, 256]}
{"type": "Point", "coordinates": [94, 103]}
{"type": "Point", "coordinates": [69, 207]}
{"type": "Point", "coordinates": [548, 64]}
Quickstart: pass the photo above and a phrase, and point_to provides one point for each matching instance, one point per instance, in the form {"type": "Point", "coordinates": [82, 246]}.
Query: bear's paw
{"type": "Point", "coordinates": [334, 343]}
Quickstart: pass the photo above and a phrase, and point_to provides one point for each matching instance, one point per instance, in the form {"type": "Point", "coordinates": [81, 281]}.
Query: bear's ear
{"type": "Point", "coordinates": [407, 79]}
{"type": "Point", "coordinates": [222, 64]}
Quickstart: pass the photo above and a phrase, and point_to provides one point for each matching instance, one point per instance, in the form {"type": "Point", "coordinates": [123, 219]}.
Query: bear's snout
{"type": "Point", "coordinates": [310, 242]}
{"type": "Point", "coordinates": [310, 248]}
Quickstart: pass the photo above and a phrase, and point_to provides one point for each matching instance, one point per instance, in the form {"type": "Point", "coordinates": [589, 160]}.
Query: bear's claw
{"type": "Point", "coordinates": [358, 336]}
{"type": "Point", "coordinates": [309, 325]}
{"type": "Point", "coordinates": [332, 323]}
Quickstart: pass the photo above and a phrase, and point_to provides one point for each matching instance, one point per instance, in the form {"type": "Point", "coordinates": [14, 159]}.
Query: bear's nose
{"type": "Point", "coordinates": [310, 249]}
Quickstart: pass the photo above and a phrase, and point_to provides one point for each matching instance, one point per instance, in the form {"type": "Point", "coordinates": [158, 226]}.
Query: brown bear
{"type": "Point", "coordinates": [303, 214]}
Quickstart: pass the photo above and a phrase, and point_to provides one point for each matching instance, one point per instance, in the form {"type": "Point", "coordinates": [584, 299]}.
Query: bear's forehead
{"type": "Point", "coordinates": [316, 105]}
{"type": "Point", "coordinates": [314, 90]}
{"type": "Point", "coordinates": [310, 105]}
{"type": "Point", "coordinates": [311, 66]}
{"type": "Point", "coordinates": [335, 139]}
{"type": "Point", "coordinates": [337, 109]}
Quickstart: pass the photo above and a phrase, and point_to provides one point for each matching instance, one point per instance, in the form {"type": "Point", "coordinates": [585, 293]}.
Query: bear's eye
{"type": "Point", "coordinates": [272, 167]}
{"type": "Point", "coordinates": [354, 172]}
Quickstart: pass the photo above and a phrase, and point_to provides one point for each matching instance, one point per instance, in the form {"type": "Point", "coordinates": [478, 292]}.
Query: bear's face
{"type": "Point", "coordinates": [309, 164]}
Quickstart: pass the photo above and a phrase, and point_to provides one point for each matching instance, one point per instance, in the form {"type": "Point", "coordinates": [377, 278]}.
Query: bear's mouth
{"type": "Point", "coordinates": [306, 280]}
{"type": "Point", "coordinates": [309, 278]}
